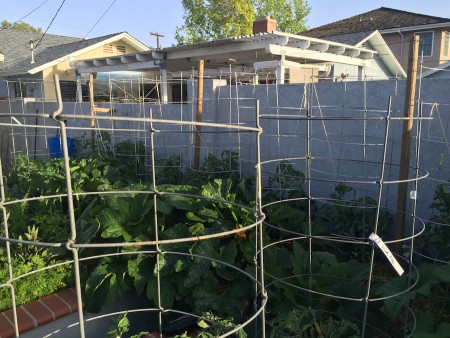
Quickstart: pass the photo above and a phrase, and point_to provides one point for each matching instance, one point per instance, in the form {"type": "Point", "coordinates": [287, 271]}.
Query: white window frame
{"type": "Point", "coordinates": [446, 51]}
{"type": "Point", "coordinates": [432, 42]}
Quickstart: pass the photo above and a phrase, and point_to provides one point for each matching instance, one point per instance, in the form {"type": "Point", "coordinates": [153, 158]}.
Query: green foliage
{"type": "Point", "coordinates": [204, 283]}
{"type": "Point", "coordinates": [208, 205]}
{"type": "Point", "coordinates": [429, 296]}
{"type": "Point", "coordinates": [214, 19]}
{"type": "Point", "coordinates": [214, 168]}
{"type": "Point", "coordinates": [121, 325]}
{"type": "Point", "coordinates": [303, 322]}
{"type": "Point", "coordinates": [291, 263]}
{"type": "Point", "coordinates": [206, 20]}
{"type": "Point", "coordinates": [211, 326]}
{"type": "Point", "coordinates": [290, 215]}
{"type": "Point", "coordinates": [168, 170]}
{"type": "Point", "coordinates": [291, 15]}
{"type": "Point", "coordinates": [353, 218]}
{"type": "Point", "coordinates": [28, 259]}
{"type": "Point", "coordinates": [20, 26]}
{"type": "Point", "coordinates": [433, 243]}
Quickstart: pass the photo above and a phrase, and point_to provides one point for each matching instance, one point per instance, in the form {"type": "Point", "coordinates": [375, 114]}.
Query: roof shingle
{"type": "Point", "coordinates": [377, 19]}
{"type": "Point", "coordinates": [17, 49]}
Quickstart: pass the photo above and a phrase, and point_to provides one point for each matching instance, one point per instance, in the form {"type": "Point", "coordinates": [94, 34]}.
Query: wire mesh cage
{"type": "Point", "coordinates": [273, 215]}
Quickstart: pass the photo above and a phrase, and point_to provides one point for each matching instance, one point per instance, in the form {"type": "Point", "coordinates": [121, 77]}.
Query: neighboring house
{"type": "Point", "coordinates": [397, 28]}
{"type": "Point", "coordinates": [28, 65]}
{"type": "Point", "coordinates": [267, 56]}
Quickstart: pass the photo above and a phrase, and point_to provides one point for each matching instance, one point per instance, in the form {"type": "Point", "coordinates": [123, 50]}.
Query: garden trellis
{"type": "Point", "coordinates": [275, 228]}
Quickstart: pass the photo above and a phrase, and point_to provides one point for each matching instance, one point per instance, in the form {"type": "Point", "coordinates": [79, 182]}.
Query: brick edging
{"type": "Point", "coordinates": [39, 312]}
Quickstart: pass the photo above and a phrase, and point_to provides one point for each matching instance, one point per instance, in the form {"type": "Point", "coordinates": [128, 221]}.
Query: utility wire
{"type": "Point", "coordinates": [92, 28]}
{"type": "Point", "coordinates": [112, 3]}
{"type": "Point", "coordinates": [34, 10]}
{"type": "Point", "coordinates": [51, 22]}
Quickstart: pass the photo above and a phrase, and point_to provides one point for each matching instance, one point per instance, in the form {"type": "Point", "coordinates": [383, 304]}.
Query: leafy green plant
{"type": "Point", "coordinates": [29, 258]}
{"type": "Point", "coordinates": [211, 326]}
{"type": "Point", "coordinates": [121, 325]}
{"type": "Point", "coordinates": [290, 212]}
{"type": "Point", "coordinates": [289, 267]}
{"type": "Point", "coordinates": [352, 218]}
{"type": "Point", "coordinates": [433, 243]}
{"type": "Point", "coordinates": [168, 170]}
{"type": "Point", "coordinates": [214, 168]}
{"type": "Point", "coordinates": [206, 284]}
{"type": "Point", "coordinates": [303, 322]}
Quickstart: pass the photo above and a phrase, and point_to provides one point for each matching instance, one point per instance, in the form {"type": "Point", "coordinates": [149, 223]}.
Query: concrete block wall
{"type": "Point", "coordinates": [343, 146]}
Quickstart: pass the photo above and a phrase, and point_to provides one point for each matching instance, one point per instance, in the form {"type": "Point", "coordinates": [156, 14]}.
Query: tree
{"type": "Point", "coordinates": [290, 14]}
{"type": "Point", "coordinates": [215, 19]}
{"type": "Point", "coordinates": [205, 20]}
{"type": "Point", "coordinates": [20, 26]}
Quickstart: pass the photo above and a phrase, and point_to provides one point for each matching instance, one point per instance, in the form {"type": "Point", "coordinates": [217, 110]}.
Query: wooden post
{"type": "Point", "coordinates": [406, 142]}
{"type": "Point", "coordinates": [91, 100]}
{"type": "Point", "coordinates": [201, 65]}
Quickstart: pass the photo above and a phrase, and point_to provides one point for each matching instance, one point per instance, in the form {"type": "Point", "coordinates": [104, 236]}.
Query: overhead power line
{"type": "Point", "coordinates": [92, 28]}
{"type": "Point", "coordinates": [34, 10]}
{"type": "Point", "coordinates": [112, 3]}
{"type": "Point", "coordinates": [51, 22]}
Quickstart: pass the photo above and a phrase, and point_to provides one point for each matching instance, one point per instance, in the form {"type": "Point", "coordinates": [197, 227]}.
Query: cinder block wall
{"type": "Point", "coordinates": [343, 146]}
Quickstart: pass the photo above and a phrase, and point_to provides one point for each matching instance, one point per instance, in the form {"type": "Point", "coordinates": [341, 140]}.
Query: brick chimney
{"type": "Point", "coordinates": [264, 24]}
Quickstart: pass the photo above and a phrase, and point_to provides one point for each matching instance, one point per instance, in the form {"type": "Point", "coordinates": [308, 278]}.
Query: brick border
{"type": "Point", "coordinates": [39, 312]}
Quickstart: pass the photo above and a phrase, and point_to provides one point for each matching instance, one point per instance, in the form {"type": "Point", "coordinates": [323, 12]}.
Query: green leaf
{"type": "Point", "coordinates": [163, 206]}
{"type": "Point", "coordinates": [179, 265]}
{"type": "Point", "coordinates": [112, 223]}
{"type": "Point", "coordinates": [326, 258]}
{"type": "Point", "coordinates": [396, 285]}
{"type": "Point", "coordinates": [181, 202]}
{"type": "Point", "coordinates": [140, 269]}
{"type": "Point", "coordinates": [97, 277]}
{"type": "Point", "coordinates": [208, 213]}
{"type": "Point", "coordinates": [117, 285]}
{"type": "Point", "coordinates": [228, 255]}
{"type": "Point", "coordinates": [197, 229]}
{"type": "Point", "coordinates": [202, 324]}
{"type": "Point", "coordinates": [168, 292]}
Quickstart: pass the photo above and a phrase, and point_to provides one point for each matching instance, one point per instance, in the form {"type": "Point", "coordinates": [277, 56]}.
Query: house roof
{"type": "Point", "coordinates": [15, 45]}
{"type": "Point", "coordinates": [375, 41]}
{"type": "Point", "coordinates": [443, 67]}
{"type": "Point", "coordinates": [380, 19]}
{"type": "Point", "coordinates": [245, 51]}
{"type": "Point", "coordinates": [53, 50]}
{"type": "Point", "coordinates": [252, 52]}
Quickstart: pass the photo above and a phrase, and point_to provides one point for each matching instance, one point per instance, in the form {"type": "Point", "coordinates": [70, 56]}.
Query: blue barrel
{"type": "Point", "coordinates": [55, 146]}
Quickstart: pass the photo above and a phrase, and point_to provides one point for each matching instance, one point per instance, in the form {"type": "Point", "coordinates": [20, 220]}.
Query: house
{"type": "Point", "coordinates": [267, 56]}
{"type": "Point", "coordinates": [28, 61]}
{"type": "Point", "coordinates": [397, 28]}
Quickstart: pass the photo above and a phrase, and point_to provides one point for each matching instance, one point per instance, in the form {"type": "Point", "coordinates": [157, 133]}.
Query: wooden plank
{"type": "Point", "coordinates": [201, 67]}
{"type": "Point", "coordinates": [406, 142]}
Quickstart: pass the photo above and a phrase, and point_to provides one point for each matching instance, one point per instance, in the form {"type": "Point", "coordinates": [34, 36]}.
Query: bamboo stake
{"type": "Point", "coordinates": [201, 65]}
{"type": "Point", "coordinates": [406, 141]}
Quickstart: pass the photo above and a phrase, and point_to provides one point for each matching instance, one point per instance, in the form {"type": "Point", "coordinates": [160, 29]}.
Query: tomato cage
{"type": "Point", "coordinates": [256, 210]}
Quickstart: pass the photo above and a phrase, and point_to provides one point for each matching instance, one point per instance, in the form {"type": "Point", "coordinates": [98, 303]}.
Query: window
{"type": "Point", "coordinates": [426, 43]}
{"type": "Point", "coordinates": [179, 92]}
{"type": "Point", "coordinates": [69, 91]}
{"type": "Point", "coordinates": [25, 89]}
{"type": "Point", "coordinates": [446, 44]}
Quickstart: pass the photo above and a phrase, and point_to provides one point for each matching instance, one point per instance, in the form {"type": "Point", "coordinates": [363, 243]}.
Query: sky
{"type": "Point", "coordinates": [92, 18]}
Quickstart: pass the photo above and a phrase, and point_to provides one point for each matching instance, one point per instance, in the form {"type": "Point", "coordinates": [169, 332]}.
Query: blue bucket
{"type": "Point", "coordinates": [55, 146]}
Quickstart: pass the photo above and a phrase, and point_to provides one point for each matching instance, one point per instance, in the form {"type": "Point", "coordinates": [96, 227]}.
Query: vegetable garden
{"type": "Point", "coordinates": [215, 251]}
